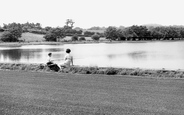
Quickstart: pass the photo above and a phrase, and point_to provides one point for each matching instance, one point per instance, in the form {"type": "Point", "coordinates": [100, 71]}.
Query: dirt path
{"type": "Point", "coordinates": [38, 93]}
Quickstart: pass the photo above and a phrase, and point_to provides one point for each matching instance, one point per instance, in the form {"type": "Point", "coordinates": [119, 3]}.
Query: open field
{"type": "Point", "coordinates": [43, 93]}
{"type": "Point", "coordinates": [30, 37]}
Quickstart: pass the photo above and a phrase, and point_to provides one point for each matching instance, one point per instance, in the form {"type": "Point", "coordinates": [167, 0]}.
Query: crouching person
{"type": "Point", "coordinates": [68, 60]}
{"type": "Point", "coordinates": [51, 63]}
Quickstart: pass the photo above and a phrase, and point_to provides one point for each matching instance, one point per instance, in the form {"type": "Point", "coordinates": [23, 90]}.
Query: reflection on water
{"type": "Point", "coordinates": [29, 54]}
{"type": "Point", "coordinates": [154, 55]}
{"type": "Point", "coordinates": [13, 54]}
{"type": "Point", "coordinates": [138, 55]}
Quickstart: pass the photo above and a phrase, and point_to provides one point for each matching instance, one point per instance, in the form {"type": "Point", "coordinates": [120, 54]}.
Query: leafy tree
{"type": "Point", "coordinates": [95, 37]}
{"type": "Point", "coordinates": [1, 29]}
{"type": "Point", "coordinates": [82, 38]}
{"type": "Point", "coordinates": [38, 26]}
{"type": "Point", "coordinates": [13, 32]}
{"type": "Point", "coordinates": [156, 33]}
{"type": "Point", "coordinates": [182, 32]}
{"type": "Point", "coordinates": [74, 38]}
{"type": "Point", "coordinates": [47, 28]}
{"type": "Point", "coordinates": [54, 34]}
{"type": "Point", "coordinates": [141, 32]}
{"type": "Point", "coordinates": [111, 33]}
{"type": "Point", "coordinates": [129, 34]}
{"type": "Point", "coordinates": [121, 34]}
{"type": "Point", "coordinates": [173, 33]}
{"type": "Point", "coordinates": [9, 36]}
{"type": "Point", "coordinates": [69, 23]}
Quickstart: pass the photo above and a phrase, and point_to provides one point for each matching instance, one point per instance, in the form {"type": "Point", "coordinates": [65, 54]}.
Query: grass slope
{"type": "Point", "coordinates": [30, 37]}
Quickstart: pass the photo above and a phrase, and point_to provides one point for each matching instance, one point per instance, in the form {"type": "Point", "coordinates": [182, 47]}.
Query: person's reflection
{"type": "Point", "coordinates": [13, 54]}
{"type": "Point", "coordinates": [113, 56]}
{"type": "Point", "coordinates": [140, 55]}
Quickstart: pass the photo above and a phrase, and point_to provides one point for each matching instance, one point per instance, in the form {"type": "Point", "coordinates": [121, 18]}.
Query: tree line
{"type": "Point", "coordinates": [13, 31]}
{"type": "Point", "coordinates": [144, 33]}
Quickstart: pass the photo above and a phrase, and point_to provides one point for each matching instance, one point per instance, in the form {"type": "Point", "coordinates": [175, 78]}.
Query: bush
{"type": "Point", "coordinates": [111, 33]}
{"type": "Point", "coordinates": [111, 71]}
{"type": "Point", "coordinates": [50, 37]}
{"type": "Point", "coordinates": [95, 37]}
{"type": "Point", "coordinates": [11, 36]}
{"type": "Point", "coordinates": [74, 38]}
{"type": "Point", "coordinates": [54, 34]}
{"type": "Point", "coordinates": [82, 38]}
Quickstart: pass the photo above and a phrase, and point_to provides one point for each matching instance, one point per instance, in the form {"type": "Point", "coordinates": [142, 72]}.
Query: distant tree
{"type": "Point", "coordinates": [11, 36]}
{"type": "Point", "coordinates": [5, 26]}
{"type": "Point", "coordinates": [74, 38]}
{"type": "Point", "coordinates": [82, 38]}
{"type": "Point", "coordinates": [69, 23]}
{"type": "Point", "coordinates": [182, 32]}
{"type": "Point", "coordinates": [121, 34]}
{"type": "Point", "coordinates": [111, 33]}
{"type": "Point", "coordinates": [129, 34]}
{"type": "Point", "coordinates": [141, 32]}
{"type": "Point", "coordinates": [156, 33]}
{"type": "Point", "coordinates": [95, 37]}
{"type": "Point", "coordinates": [173, 33]}
{"type": "Point", "coordinates": [38, 26]}
{"type": "Point", "coordinates": [54, 34]}
{"type": "Point", "coordinates": [1, 29]}
{"type": "Point", "coordinates": [48, 28]}
{"type": "Point", "coordinates": [13, 32]}
{"type": "Point", "coordinates": [32, 27]}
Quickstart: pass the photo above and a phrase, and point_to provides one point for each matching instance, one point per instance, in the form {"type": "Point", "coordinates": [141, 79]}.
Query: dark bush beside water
{"type": "Point", "coordinates": [96, 70]}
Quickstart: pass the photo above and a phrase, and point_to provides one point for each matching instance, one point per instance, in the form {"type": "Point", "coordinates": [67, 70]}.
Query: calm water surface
{"type": "Point", "coordinates": [150, 55]}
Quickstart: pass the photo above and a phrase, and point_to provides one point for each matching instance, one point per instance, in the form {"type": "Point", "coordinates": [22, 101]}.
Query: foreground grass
{"type": "Point", "coordinates": [52, 93]}
{"type": "Point", "coordinates": [97, 70]}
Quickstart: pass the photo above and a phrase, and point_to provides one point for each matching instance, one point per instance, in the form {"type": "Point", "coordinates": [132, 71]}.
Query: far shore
{"type": "Point", "coordinates": [16, 44]}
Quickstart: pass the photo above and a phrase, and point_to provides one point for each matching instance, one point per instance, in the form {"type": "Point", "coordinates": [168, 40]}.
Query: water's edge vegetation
{"type": "Point", "coordinates": [96, 70]}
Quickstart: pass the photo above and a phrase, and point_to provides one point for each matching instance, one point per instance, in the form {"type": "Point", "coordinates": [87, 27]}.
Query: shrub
{"type": "Point", "coordinates": [54, 34]}
{"type": "Point", "coordinates": [74, 38]}
{"type": "Point", "coordinates": [95, 37]}
{"type": "Point", "coordinates": [111, 71]}
{"type": "Point", "coordinates": [8, 36]}
{"type": "Point", "coordinates": [82, 38]}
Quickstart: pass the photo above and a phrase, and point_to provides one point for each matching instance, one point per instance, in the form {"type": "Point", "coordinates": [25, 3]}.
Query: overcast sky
{"type": "Point", "coordinates": [89, 13]}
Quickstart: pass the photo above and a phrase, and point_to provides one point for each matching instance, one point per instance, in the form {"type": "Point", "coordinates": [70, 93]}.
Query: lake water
{"type": "Point", "coordinates": [147, 55]}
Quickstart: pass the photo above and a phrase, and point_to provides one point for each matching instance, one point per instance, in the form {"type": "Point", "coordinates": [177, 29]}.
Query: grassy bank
{"type": "Point", "coordinates": [97, 70]}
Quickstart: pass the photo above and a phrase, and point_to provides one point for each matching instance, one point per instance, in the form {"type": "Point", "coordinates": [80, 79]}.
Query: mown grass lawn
{"type": "Point", "coordinates": [50, 93]}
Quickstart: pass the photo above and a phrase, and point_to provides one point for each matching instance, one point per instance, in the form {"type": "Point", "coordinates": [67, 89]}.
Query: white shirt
{"type": "Point", "coordinates": [49, 59]}
{"type": "Point", "coordinates": [68, 59]}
